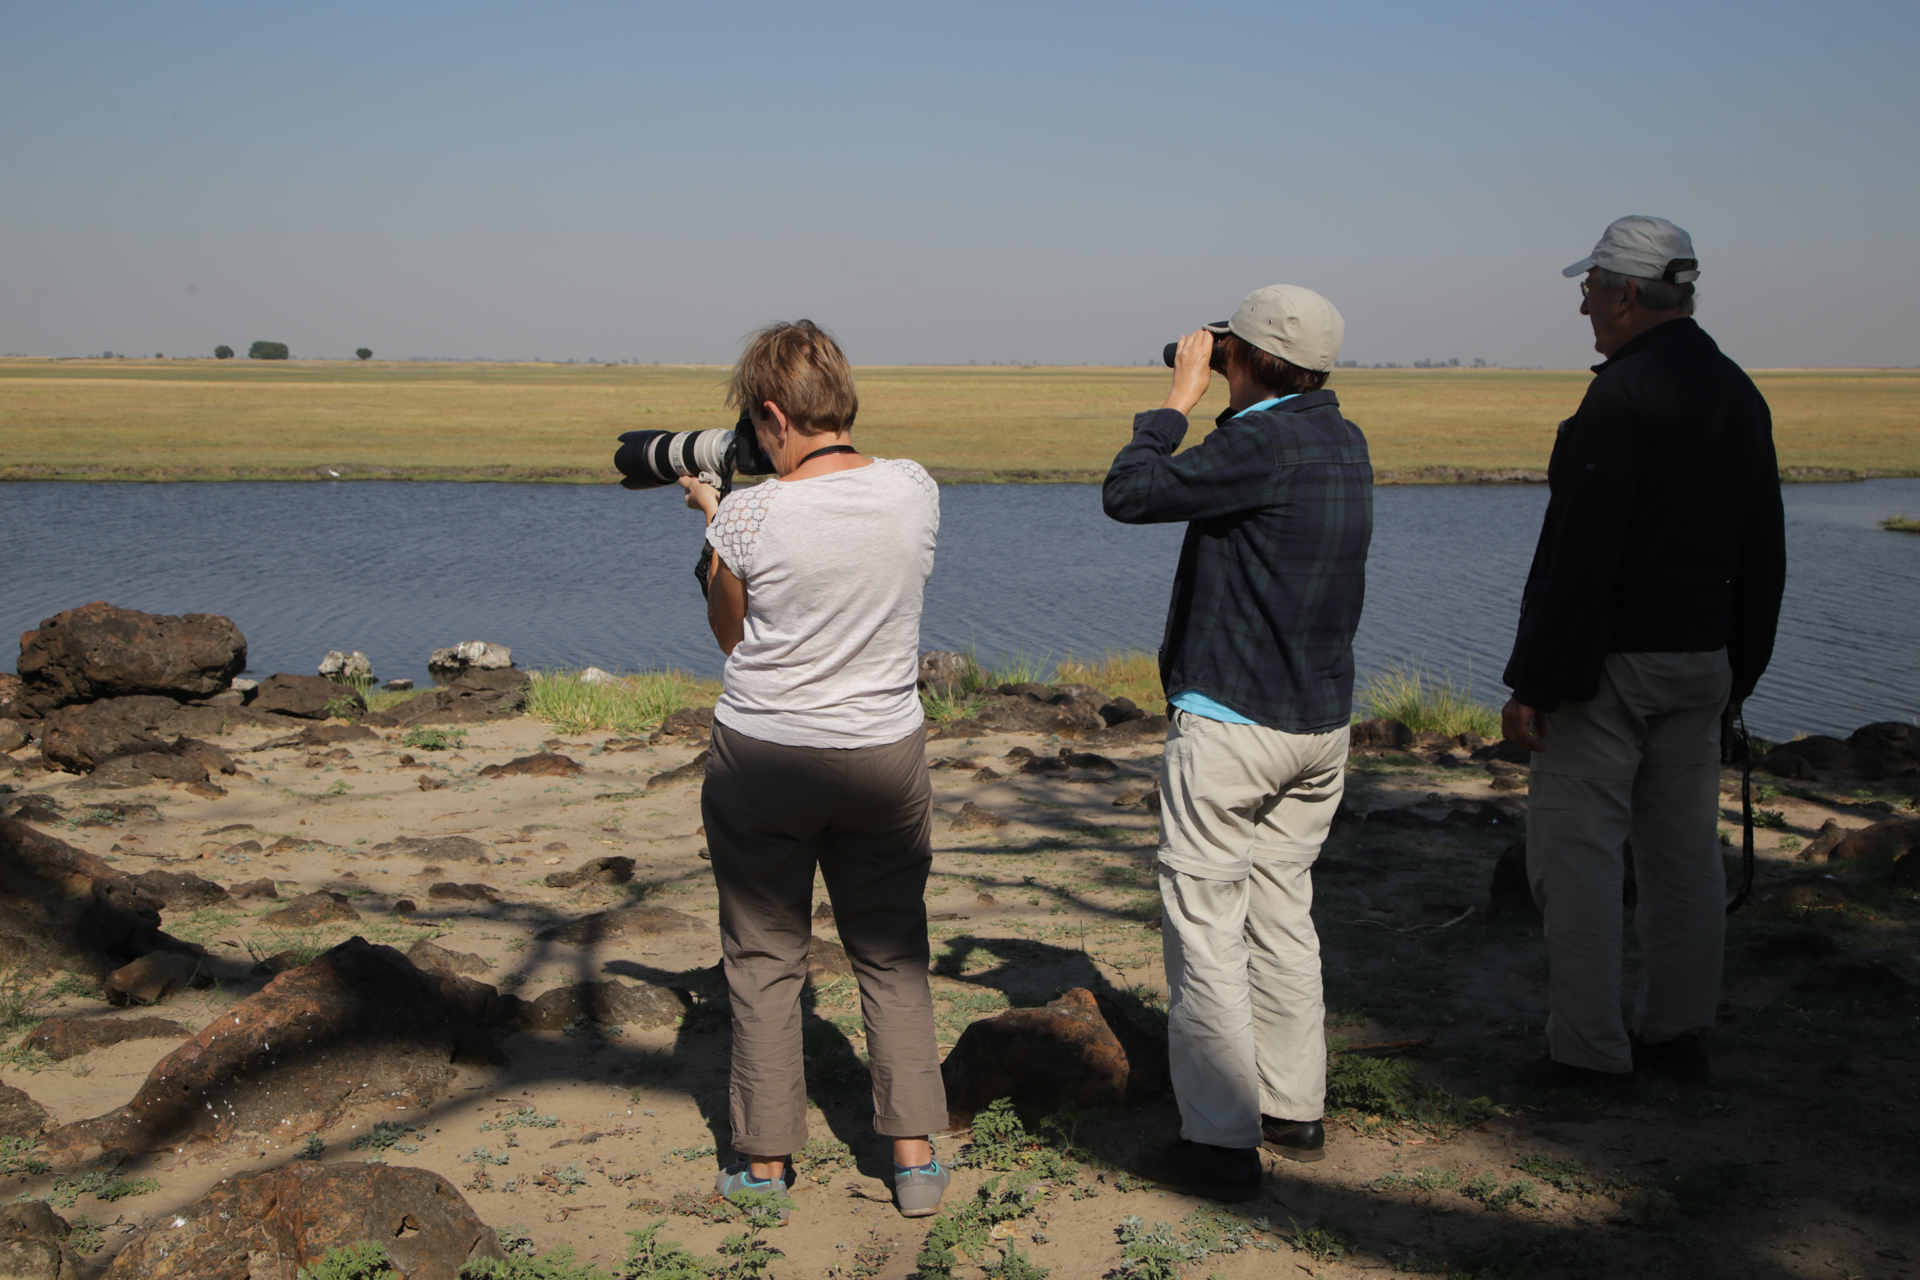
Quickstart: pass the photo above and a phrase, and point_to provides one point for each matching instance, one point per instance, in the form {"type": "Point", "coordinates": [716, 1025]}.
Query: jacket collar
{"type": "Point", "coordinates": [1666, 331]}
{"type": "Point", "coordinates": [1298, 404]}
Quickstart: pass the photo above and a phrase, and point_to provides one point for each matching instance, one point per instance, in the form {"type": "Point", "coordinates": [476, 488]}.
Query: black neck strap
{"type": "Point", "coordinates": [821, 453]}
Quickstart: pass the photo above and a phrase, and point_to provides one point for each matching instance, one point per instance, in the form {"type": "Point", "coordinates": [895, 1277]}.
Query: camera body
{"type": "Point", "coordinates": [651, 459]}
{"type": "Point", "coordinates": [1216, 362]}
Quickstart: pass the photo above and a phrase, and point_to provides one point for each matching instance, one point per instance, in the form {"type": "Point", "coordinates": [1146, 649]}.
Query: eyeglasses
{"type": "Point", "coordinates": [1585, 285]}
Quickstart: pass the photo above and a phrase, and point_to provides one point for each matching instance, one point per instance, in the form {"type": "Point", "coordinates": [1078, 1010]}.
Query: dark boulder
{"type": "Point", "coordinates": [154, 977]}
{"type": "Point", "coordinates": [435, 848]}
{"type": "Point", "coordinates": [181, 890]}
{"type": "Point", "coordinates": [432, 958]}
{"type": "Point", "coordinates": [101, 651]}
{"type": "Point", "coordinates": [1888, 737]}
{"type": "Point", "coordinates": [1501, 752]}
{"type": "Point", "coordinates": [1379, 734]}
{"type": "Point", "coordinates": [63, 1038]}
{"type": "Point", "coordinates": [623, 922]}
{"type": "Point", "coordinates": [471, 698]}
{"type": "Point", "coordinates": [610, 1004]}
{"type": "Point", "coordinates": [691, 724]}
{"type": "Point", "coordinates": [322, 735]}
{"type": "Point", "coordinates": [972, 817]}
{"type": "Point", "coordinates": [213, 759]}
{"type": "Point", "coordinates": [279, 1223]}
{"type": "Point", "coordinates": [1883, 841]}
{"type": "Point", "coordinates": [13, 735]}
{"type": "Point", "coordinates": [307, 697]}
{"type": "Point", "coordinates": [20, 1116]}
{"type": "Point", "coordinates": [34, 1244]}
{"type": "Point", "coordinates": [359, 1026]}
{"type": "Point", "coordinates": [82, 748]}
{"type": "Point", "coordinates": [1080, 1048]}
{"type": "Point", "coordinates": [148, 768]}
{"type": "Point", "coordinates": [64, 908]}
{"type": "Point", "coordinates": [692, 771]}
{"type": "Point", "coordinates": [609, 870]}
{"type": "Point", "coordinates": [1120, 711]}
{"type": "Point", "coordinates": [546, 764]}
{"type": "Point", "coordinates": [261, 888]}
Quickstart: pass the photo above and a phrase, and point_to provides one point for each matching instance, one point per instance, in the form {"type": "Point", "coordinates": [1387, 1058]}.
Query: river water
{"type": "Point", "coordinates": [572, 575]}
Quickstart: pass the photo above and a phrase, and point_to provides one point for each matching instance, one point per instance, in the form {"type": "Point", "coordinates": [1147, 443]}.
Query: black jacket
{"type": "Point", "coordinates": [1664, 533]}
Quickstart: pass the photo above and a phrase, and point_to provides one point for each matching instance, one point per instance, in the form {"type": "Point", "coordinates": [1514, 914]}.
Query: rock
{"type": "Point", "coordinates": [100, 651]}
{"type": "Point", "coordinates": [546, 764]}
{"type": "Point", "coordinates": [307, 697]}
{"type": "Point", "coordinates": [64, 908]}
{"type": "Point", "coordinates": [608, 870]}
{"type": "Point", "coordinates": [346, 666]}
{"type": "Point", "coordinates": [430, 783]}
{"type": "Point", "coordinates": [594, 675]}
{"type": "Point", "coordinates": [33, 1244]}
{"type": "Point", "coordinates": [152, 978]}
{"type": "Point", "coordinates": [277, 963]}
{"type": "Point", "coordinates": [1509, 782]}
{"type": "Point", "coordinates": [1088, 760]}
{"type": "Point", "coordinates": [608, 1003]}
{"type": "Point", "coordinates": [210, 757]}
{"type": "Point", "coordinates": [692, 723]}
{"type": "Point", "coordinates": [826, 959]}
{"type": "Point", "coordinates": [446, 665]}
{"type": "Point", "coordinates": [1883, 841]}
{"type": "Point", "coordinates": [1786, 764]}
{"type": "Point", "coordinates": [405, 907]}
{"type": "Point", "coordinates": [322, 735]}
{"type": "Point", "coordinates": [436, 959]}
{"type": "Point", "coordinates": [823, 912]}
{"type": "Point", "coordinates": [10, 692]}
{"type": "Point", "coordinates": [147, 769]}
{"type": "Point", "coordinates": [1838, 977]}
{"type": "Point", "coordinates": [277, 1223]}
{"type": "Point", "coordinates": [944, 673]}
{"type": "Point", "coordinates": [1121, 711]}
{"type": "Point", "coordinates": [1820, 848]}
{"type": "Point", "coordinates": [692, 771]}
{"type": "Point", "coordinates": [1888, 737]}
{"type": "Point", "coordinates": [985, 773]}
{"type": "Point", "coordinates": [13, 736]}
{"type": "Point", "coordinates": [243, 686]}
{"type": "Point", "coordinates": [20, 1116]}
{"type": "Point", "coordinates": [448, 891]}
{"type": "Point", "coordinates": [181, 890]}
{"type": "Point", "coordinates": [1078, 1049]}
{"type": "Point", "coordinates": [1502, 752]}
{"type": "Point", "coordinates": [360, 1026]}
{"type": "Point", "coordinates": [622, 922]}
{"type": "Point", "coordinates": [63, 1038]}
{"type": "Point", "coordinates": [1512, 896]}
{"type": "Point", "coordinates": [1380, 734]}
{"type": "Point", "coordinates": [1041, 765]}
{"type": "Point", "coordinates": [397, 686]}
{"type": "Point", "coordinates": [471, 698]}
{"type": "Point", "coordinates": [436, 848]}
{"type": "Point", "coordinates": [1805, 944]}
{"type": "Point", "coordinates": [261, 888]}
{"type": "Point", "coordinates": [310, 909]}
{"type": "Point", "coordinates": [972, 816]}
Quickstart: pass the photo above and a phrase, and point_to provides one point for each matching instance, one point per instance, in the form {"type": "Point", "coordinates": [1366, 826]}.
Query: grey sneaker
{"type": "Point", "coordinates": [917, 1192]}
{"type": "Point", "coordinates": [740, 1178]}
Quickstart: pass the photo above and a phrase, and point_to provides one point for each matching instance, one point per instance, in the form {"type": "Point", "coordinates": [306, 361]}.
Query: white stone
{"type": "Point", "coordinates": [342, 666]}
{"type": "Point", "coordinates": [472, 654]}
{"type": "Point", "coordinates": [594, 675]}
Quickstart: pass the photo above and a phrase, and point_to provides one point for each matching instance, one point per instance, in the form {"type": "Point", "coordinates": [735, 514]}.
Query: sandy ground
{"type": "Point", "coordinates": [1797, 1161]}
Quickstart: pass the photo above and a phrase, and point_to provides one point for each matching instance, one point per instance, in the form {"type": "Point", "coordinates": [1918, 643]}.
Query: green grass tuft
{"type": "Point", "coordinates": [1132, 673]}
{"type": "Point", "coordinates": [630, 704]}
{"type": "Point", "coordinates": [1424, 703]}
{"type": "Point", "coordinates": [1902, 523]}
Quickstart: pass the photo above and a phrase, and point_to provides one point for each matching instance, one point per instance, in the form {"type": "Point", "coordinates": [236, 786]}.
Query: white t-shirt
{"type": "Point", "coordinates": [835, 568]}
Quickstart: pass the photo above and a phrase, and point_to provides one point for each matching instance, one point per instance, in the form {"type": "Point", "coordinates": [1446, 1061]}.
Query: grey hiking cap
{"type": "Point", "coordinates": [1645, 248]}
{"type": "Point", "coordinates": [1285, 320]}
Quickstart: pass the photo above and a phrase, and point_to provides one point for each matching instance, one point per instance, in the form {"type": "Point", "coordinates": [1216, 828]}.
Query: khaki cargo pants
{"type": "Point", "coordinates": [1641, 760]}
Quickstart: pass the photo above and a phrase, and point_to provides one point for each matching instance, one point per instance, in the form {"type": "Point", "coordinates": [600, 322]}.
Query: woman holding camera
{"type": "Point", "coordinates": [818, 755]}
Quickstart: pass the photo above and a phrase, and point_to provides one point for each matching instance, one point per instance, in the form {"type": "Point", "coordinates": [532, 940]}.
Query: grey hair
{"type": "Point", "coordinates": [1657, 295]}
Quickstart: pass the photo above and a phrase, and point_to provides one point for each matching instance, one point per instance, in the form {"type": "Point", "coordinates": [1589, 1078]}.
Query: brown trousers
{"type": "Point", "coordinates": [864, 816]}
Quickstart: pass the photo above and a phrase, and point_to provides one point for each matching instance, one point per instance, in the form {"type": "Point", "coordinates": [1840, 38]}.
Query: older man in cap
{"type": "Point", "coordinates": [1257, 664]}
{"type": "Point", "coordinates": [1648, 613]}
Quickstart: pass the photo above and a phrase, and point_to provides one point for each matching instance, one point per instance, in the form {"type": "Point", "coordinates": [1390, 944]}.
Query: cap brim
{"type": "Point", "coordinates": [1218, 326]}
{"type": "Point", "coordinates": [1581, 267]}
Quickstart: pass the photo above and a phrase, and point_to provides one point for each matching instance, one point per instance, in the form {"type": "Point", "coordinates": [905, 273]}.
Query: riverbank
{"type": "Point", "coordinates": [198, 420]}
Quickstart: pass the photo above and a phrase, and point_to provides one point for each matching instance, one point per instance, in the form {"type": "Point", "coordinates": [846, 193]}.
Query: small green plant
{"type": "Point", "coordinates": [1425, 703]}
{"type": "Point", "coordinates": [1000, 1141]}
{"type": "Point", "coordinates": [312, 1149]}
{"type": "Point", "coordinates": [1487, 1190]}
{"type": "Point", "coordinates": [16, 1156]}
{"type": "Point", "coordinates": [1651, 1208]}
{"type": "Point", "coordinates": [1771, 819]}
{"type": "Point", "coordinates": [941, 709]}
{"type": "Point", "coordinates": [966, 1231]}
{"type": "Point", "coordinates": [101, 1185]}
{"type": "Point", "coordinates": [1564, 1175]}
{"type": "Point", "coordinates": [386, 1135]}
{"type": "Point", "coordinates": [628, 704]}
{"type": "Point", "coordinates": [1789, 844]}
{"type": "Point", "coordinates": [424, 739]}
{"type": "Point", "coordinates": [363, 1261]}
{"type": "Point", "coordinates": [1323, 1242]}
{"type": "Point", "coordinates": [85, 1235]}
{"type": "Point", "coordinates": [560, 1264]}
{"type": "Point", "coordinates": [1014, 1265]}
{"type": "Point", "coordinates": [1429, 1178]}
{"type": "Point", "coordinates": [1153, 1253]}
{"type": "Point", "coordinates": [340, 787]}
{"type": "Point", "coordinates": [820, 1157]}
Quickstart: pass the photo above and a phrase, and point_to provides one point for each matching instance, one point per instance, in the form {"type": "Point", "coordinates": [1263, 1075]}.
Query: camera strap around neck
{"type": "Point", "coordinates": [821, 453]}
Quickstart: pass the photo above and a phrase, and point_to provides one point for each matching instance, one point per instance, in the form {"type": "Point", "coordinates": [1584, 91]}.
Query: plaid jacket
{"type": "Point", "coordinates": [1279, 512]}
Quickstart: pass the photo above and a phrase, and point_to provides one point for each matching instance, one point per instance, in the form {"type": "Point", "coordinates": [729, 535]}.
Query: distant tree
{"type": "Point", "coordinates": [363, 353]}
{"type": "Point", "coordinates": [223, 352]}
{"type": "Point", "coordinates": [267, 351]}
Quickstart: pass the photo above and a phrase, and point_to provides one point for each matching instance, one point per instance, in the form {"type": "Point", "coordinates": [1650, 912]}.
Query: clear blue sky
{"type": "Point", "coordinates": [940, 184]}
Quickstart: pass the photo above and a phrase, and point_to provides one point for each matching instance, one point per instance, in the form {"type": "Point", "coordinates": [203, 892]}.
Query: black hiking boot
{"type": "Point", "coordinates": [1219, 1173]}
{"type": "Point", "coordinates": [1547, 1073]}
{"type": "Point", "coordinates": [1295, 1139]}
{"type": "Point", "coordinates": [1683, 1058]}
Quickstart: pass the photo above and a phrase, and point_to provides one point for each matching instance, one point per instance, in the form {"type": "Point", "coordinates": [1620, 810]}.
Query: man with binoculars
{"type": "Point", "coordinates": [1257, 663]}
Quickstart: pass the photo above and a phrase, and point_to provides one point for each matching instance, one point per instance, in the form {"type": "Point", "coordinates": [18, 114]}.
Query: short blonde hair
{"type": "Point", "coordinates": [801, 368]}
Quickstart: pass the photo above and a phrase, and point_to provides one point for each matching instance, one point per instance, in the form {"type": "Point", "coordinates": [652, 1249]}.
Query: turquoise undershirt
{"type": "Point", "coordinates": [1192, 701]}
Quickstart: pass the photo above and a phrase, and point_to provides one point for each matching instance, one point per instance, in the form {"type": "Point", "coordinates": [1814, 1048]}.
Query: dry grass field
{"type": "Point", "coordinates": [202, 419]}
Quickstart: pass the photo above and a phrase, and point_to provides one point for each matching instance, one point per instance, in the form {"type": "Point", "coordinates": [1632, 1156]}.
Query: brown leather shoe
{"type": "Point", "coordinates": [1304, 1140]}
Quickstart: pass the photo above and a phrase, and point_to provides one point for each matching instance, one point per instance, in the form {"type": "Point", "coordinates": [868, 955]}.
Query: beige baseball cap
{"type": "Point", "coordinates": [1285, 320]}
{"type": "Point", "coordinates": [1645, 248]}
